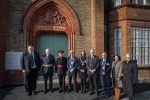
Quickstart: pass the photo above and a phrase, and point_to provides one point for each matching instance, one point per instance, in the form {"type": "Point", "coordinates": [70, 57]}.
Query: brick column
{"type": "Point", "coordinates": [2, 41]}
{"type": "Point", "coordinates": [97, 14]}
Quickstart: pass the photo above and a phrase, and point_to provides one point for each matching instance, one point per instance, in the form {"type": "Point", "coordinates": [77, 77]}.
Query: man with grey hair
{"type": "Point", "coordinates": [30, 64]}
{"type": "Point", "coordinates": [47, 62]}
{"type": "Point", "coordinates": [72, 64]}
{"type": "Point", "coordinates": [92, 64]}
{"type": "Point", "coordinates": [105, 67]}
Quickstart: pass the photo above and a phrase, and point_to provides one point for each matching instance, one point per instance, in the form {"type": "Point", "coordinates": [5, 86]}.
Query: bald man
{"type": "Point", "coordinates": [47, 62]}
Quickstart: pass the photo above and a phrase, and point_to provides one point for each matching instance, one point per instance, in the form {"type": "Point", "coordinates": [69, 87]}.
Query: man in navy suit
{"type": "Point", "coordinates": [47, 62]}
{"type": "Point", "coordinates": [105, 66]}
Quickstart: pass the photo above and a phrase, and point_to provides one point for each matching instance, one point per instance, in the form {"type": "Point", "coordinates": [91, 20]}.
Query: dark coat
{"type": "Point", "coordinates": [107, 67]}
{"type": "Point", "coordinates": [75, 64]}
{"type": "Point", "coordinates": [82, 75]}
{"type": "Point", "coordinates": [61, 70]}
{"type": "Point", "coordinates": [92, 65]}
{"type": "Point", "coordinates": [130, 74]}
{"type": "Point", "coordinates": [45, 61]}
{"type": "Point", "coordinates": [26, 61]}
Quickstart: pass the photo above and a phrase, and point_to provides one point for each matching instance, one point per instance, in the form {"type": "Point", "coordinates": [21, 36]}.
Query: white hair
{"type": "Point", "coordinates": [129, 54]}
{"type": "Point", "coordinates": [105, 53]}
{"type": "Point", "coordinates": [71, 51]}
{"type": "Point", "coordinates": [47, 49]}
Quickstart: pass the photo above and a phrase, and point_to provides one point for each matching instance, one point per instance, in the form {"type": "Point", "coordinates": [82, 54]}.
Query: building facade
{"type": "Point", "coordinates": [114, 26]}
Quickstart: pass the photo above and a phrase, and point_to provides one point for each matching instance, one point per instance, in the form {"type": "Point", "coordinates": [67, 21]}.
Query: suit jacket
{"type": "Point", "coordinates": [46, 61]}
{"type": "Point", "coordinates": [107, 67]}
{"type": "Point", "coordinates": [26, 61]}
{"type": "Point", "coordinates": [75, 64]}
{"type": "Point", "coordinates": [94, 65]}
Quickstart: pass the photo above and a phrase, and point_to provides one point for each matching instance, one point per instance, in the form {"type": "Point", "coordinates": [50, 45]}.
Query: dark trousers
{"type": "Point", "coordinates": [30, 79]}
{"type": "Point", "coordinates": [105, 81]}
{"type": "Point", "coordinates": [61, 82]}
{"type": "Point", "coordinates": [83, 82]}
{"type": "Point", "coordinates": [74, 75]}
{"type": "Point", "coordinates": [46, 75]}
{"type": "Point", "coordinates": [91, 77]}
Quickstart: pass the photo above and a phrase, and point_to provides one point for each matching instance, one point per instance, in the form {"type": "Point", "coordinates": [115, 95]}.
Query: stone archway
{"type": "Point", "coordinates": [50, 16]}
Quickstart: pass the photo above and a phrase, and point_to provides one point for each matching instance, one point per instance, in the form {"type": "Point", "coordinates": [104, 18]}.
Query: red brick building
{"type": "Point", "coordinates": [114, 26]}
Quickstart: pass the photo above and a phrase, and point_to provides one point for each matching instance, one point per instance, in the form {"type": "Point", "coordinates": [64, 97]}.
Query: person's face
{"type": "Point", "coordinates": [128, 58]}
{"type": "Point", "coordinates": [30, 49]}
{"type": "Point", "coordinates": [104, 55]}
{"type": "Point", "coordinates": [47, 52]}
{"type": "Point", "coordinates": [83, 54]}
{"type": "Point", "coordinates": [61, 54]}
{"type": "Point", "coordinates": [92, 52]}
{"type": "Point", "coordinates": [116, 58]}
{"type": "Point", "coordinates": [72, 53]}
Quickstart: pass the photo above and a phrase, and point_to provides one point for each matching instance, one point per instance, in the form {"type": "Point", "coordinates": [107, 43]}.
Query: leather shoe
{"type": "Point", "coordinates": [29, 93]}
{"type": "Point", "coordinates": [97, 94]}
{"type": "Point", "coordinates": [60, 91]}
{"type": "Point", "coordinates": [69, 91]}
{"type": "Point", "coordinates": [34, 92]}
{"type": "Point", "coordinates": [91, 92]}
{"type": "Point", "coordinates": [44, 92]}
{"type": "Point", "coordinates": [102, 93]}
{"type": "Point", "coordinates": [107, 96]}
{"type": "Point", "coordinates": [51, 91]}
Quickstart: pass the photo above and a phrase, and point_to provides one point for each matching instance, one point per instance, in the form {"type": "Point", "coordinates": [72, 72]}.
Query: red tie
{"type": "Point", "coordinates": [92, 59]}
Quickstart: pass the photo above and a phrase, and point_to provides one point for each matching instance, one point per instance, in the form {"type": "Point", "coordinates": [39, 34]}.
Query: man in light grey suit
{"type": "Point", "coordinates": [47, 62]}
{"type": "Point", "coordinates": [72, 64]}
{"type": "Point", "coordinates": [92, 64]}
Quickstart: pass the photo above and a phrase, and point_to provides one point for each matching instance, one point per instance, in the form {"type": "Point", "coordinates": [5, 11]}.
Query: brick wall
{"type": "Point", "coordinates": [2, 41]}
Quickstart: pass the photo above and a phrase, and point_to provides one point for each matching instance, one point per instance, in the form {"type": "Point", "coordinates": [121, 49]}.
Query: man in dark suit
{"type": "Point", "coordinates": [105, 67]}
{"type": "Point", "coordinates": [72, 64]}
{"type": "Point", "coordinates": [47, 62]}
{"type": "Point", "coordinates": [92, 64]}
{"type": "Point", "coordinates": [30, 64]}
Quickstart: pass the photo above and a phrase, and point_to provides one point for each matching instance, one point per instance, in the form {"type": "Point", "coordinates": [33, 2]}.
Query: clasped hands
{"type": "Point", "coordinates": [71, 70]}
{"type": "Point", "coordinates": [82, 70]}
{"type": "Point", "coordinates": [50, 65]}
{"type": "Point", "coordinates": [92, 71]}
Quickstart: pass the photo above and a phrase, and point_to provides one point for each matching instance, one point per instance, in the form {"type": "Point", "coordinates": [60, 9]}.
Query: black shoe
{"type": "Point", "coordinates": [97, 94]}
{"type": "Point", "coordinates": [91, 92]}
{"type": "Point", "coordinates": [60, 91]}
{"type": "Point", "coordinates": [81, 89]}
{"type": "Point", "coordinates": [75, 91]}
{"type": "Point", "coordinates": [29, 93]}
{"type": "Point", "coordinates": [107, 96]}
{"type": "Point", "coordinates": [44, 92]}
{"type": "Point", "coordinates": [34, 92]}
{"type": "Point", "coordinates": [51, 91]}
{"type": "Point", "coordinates": [102, 93]}
{"type": "Point", "coordinates": [69, 91]}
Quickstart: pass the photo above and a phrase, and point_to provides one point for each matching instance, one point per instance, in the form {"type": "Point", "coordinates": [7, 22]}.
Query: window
{"type": "Point", "coordinates": [117, 41]}
{"type": "Point", "coordinates": [143, 2]}
{"type": "Point", "coordinates": [140, 46]}
{"type": "Point", "coordinates": [117, 2]}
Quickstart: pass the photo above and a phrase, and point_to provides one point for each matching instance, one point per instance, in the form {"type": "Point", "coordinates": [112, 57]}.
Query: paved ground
{"type": "Point", "coordinates": [17, 92]}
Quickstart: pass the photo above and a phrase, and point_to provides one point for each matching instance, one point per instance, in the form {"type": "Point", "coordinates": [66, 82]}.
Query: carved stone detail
{"type": "Point", "coordinates": [52, 17]}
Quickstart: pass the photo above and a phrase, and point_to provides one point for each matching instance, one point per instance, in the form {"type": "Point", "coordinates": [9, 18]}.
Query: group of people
{"type": "Point", "coordinates": [123, 74]}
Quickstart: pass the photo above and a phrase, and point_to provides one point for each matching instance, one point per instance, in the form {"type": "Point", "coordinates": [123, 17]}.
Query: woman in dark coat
{"type": "Point", "coordinates": [130, 74]}
{"type": "Point", "coordinates": [83, 70]}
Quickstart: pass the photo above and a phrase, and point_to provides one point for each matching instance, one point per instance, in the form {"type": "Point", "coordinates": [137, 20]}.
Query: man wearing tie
{"type": "Point", "coordinates": [92, 70]}
{"type": "Point", "coordinates": [72, 64]}
{"type": "Point", "coordinates": [30, 64]}
{"type": "Point", "coordinates": [47, 62]}
{"type": "Point", "coordinates": [105, 67]}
